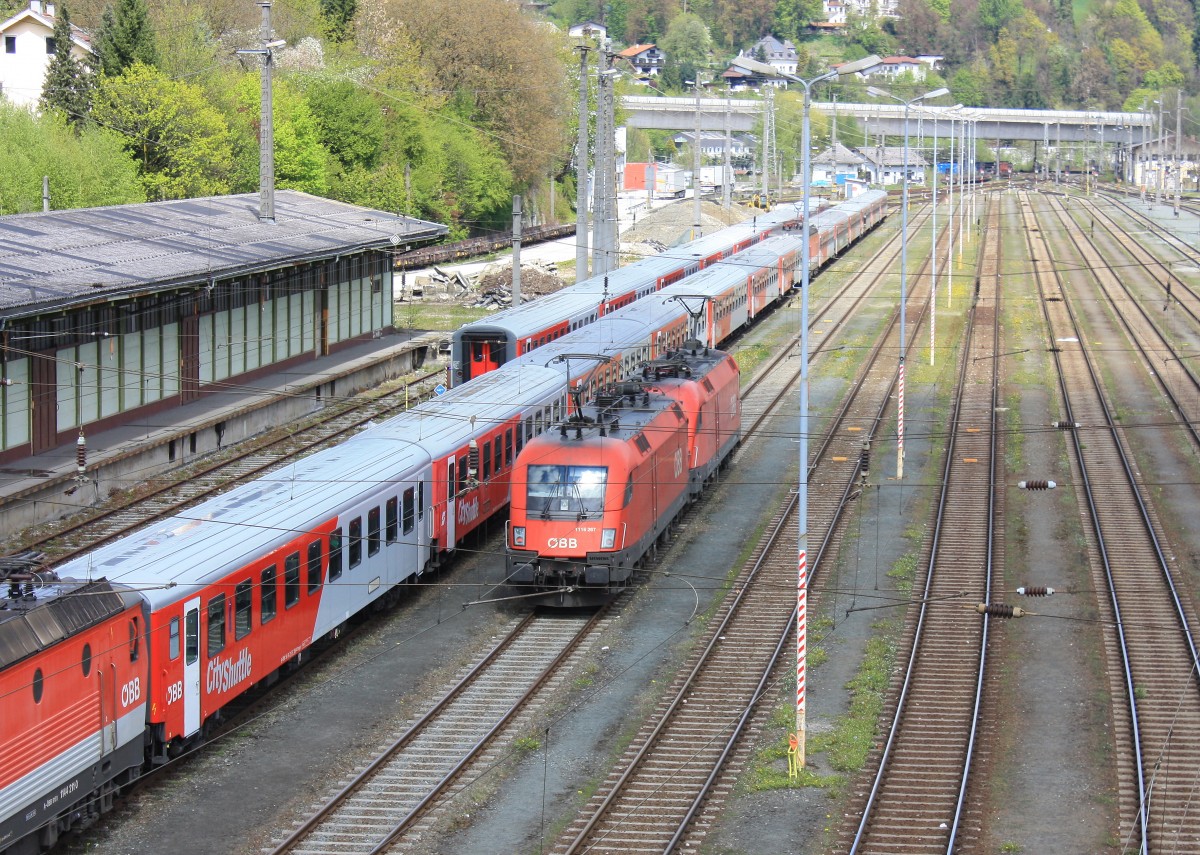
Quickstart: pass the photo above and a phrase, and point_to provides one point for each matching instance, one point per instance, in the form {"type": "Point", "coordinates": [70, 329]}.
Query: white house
{"type": "Point", "coordinates": [588, 29]}
{"type": "Point", "coordinates": [781, 55]}
{"type": "Point", "coordinates": [28, 48]}
{"type": "Point", "coordinates": [892, 67]}
{"type": "Point", "coordinates": [885, 164]}
{"type": "Point", "coordinates": [835, 165]}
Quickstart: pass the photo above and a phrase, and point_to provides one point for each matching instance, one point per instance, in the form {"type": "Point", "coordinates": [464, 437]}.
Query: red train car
{"type": "Point", "coordinates": [73, 689]}
{"type": "Point", "coordinates": [592, 499]}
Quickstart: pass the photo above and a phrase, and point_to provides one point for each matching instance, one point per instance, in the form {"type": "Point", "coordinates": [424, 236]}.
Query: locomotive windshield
{"type": "Point", "coordinates": [574, 490]}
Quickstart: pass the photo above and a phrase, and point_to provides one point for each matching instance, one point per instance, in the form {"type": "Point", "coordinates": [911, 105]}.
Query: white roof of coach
{"type": "Point", "coordinates": [173, 558]}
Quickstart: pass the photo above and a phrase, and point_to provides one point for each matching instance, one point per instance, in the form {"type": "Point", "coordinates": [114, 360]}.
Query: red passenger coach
{"type": "Point", "coordinates": [592, 499]}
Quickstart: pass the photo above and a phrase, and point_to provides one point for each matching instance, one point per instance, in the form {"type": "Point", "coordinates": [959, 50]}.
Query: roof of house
{"type": "Point", "coordinates": [892, 155]}
{"type": "Point", "coordinates": [749, 64]}
{"type": "Point", "coordinates": [635, 50]}
{"type": "Point", "coordinates": [774, 48]}
{"type": "Point", "coordinates": [62, 257]}
{"type": "Point", "coordinates": [845, 154]}
{"type": "Point", "coordinates": [899, 60]}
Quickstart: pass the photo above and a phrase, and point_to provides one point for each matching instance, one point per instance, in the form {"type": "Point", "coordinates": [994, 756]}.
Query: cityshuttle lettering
{"type": "Point", "coordinates": [468, 512]}
{"type": "Point", "coordinates": [224, 674]}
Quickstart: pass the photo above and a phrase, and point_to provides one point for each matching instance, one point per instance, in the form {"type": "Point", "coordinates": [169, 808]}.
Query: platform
{"type": "Point", "coordinates": [44, 487]}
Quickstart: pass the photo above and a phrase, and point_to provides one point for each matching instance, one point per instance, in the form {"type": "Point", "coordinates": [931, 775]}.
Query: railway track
{"type": "Point", "coordinates": [219, 472]}
{"type": "Point", "coordinates": [667, 789]}
{"type": "Point", "coordinates": [916, 800]}
{"type": "Point", "coordinates": [1159, 337]}
{"type": "Point", "coordinates": [1149, 619]}
{"type": "Point", "coordinates": [313, 835]}
{"type": "Point", "coordinates": [382, 802]}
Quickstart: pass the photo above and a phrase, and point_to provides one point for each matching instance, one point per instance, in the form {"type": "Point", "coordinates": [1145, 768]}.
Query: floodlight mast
{"type": "Point", "coordinates": [936, 93]}
{"type": "Point", "coordinates": [854, 67]}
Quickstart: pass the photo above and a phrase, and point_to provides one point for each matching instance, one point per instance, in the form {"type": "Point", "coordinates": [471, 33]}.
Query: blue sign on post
{"type": "Point", "coordinates": [439, 389]}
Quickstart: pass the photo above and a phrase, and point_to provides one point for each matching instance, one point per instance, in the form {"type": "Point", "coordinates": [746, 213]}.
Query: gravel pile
{"type": "Point", "coordinates": [668, 226]}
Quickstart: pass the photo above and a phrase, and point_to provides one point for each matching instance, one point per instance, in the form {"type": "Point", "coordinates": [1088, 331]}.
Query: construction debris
{"type": "Point", "coordinates": [494, 284]}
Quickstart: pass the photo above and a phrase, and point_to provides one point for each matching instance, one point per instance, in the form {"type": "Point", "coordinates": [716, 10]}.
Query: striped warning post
{"type": "Point", "coordinates": [900, 422]}
{"type": "Point", "coordinates": [801, 636]}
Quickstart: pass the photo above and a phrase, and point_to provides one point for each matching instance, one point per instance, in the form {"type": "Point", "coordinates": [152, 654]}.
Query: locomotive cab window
{"type": "Point", "coordinates": [565, 491]}
{"type": "Point", "coordinates": [216, 625]}
{"type": "Point", "coordinates": [135, 640]}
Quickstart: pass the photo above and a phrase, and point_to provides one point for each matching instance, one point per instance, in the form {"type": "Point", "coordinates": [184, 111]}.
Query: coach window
{"type": "Point", "coordinates": [335, 554]}
{"type": "Point", "coordinates": [498, 456]}
{"type": "Point", "coordinates": [314, 567]}
{"type": "Point", "coordinates": [520, 432]}
{"type": "Point", "coordinates": [462, 474]}
{"type": "Point", "coordinates": [372, 531]}
{"type": "Point", "coordinates": [408, 511]}
{"type": "Point", "coordinates": [355, 542]}
{"type": "Point", "coordinates": [390, 514]}
{"type": "Point", "coordinates": [291, 580]}
{"type": "Point", "coordinates": [267, 596]}
{"type": "Point", "coordinates": [529, 427]}
{"type": "Point", "coordinates": [487, 460]}
{"type": "Point", "coordinates": [173, 639]}
{"type": "Point", "coordinates": [243, 597]}
{"type": "Point", "coordinates": [508, 446]}
{"type": "Point", "coordinates": [420, 500]}
{"type": "Point", "coordinates": [216, 625]}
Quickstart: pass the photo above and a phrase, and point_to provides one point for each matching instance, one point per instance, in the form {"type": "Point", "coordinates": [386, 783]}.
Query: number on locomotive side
{"type": "Point", "coordinates": [562, 543]}
{"type": "Point", "coordinates": [174, 692]}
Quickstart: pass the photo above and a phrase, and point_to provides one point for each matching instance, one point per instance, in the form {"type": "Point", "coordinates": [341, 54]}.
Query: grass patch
{"type": "Point", "coordinates": [434, 315]}
{"type": "Point", "coordinates": [852, 738]}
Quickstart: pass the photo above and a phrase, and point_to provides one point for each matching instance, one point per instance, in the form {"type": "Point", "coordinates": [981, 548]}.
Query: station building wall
{"type": "Point", "coordinates": [102, 364]}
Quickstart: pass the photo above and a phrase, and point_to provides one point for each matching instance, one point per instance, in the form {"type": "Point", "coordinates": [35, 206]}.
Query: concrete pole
{"type": "Point", "coordinates": [516, 280]}
{"type": "Point", "coordinates": [266, 138]}
{"type": "Point", "coordinates": [581, 173]}
{"type": "Point", "coordinates": [933, 257]}
{"type": "Point", "coordinates": [1178, 161]}
{"type": "Point", "coordinates": [697, 226]}
{"type": "Point", "coordinates": [727, 161]}
{"type": "Point", "coordinates": [1158, 166]}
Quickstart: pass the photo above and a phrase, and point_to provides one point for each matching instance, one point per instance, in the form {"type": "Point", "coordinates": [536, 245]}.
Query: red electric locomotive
{"type": "Point", "coordinates": [591, 500]}
{"type": "Point", "coordinates": [73, 690]}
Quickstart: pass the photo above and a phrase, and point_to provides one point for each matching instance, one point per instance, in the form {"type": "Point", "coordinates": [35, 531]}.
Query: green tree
{"type": "Point", "coordinates": [181, 143]}
{"type": "Point", "coordinates": [793, 16]}
{"type": "Point", "coordinates": [301, 161]}
{"type": "Point", "coordinates": [687, 41]}
{"type": "Point", "coordinates": [86, 168]}
{"type": "Point", "coordinates": [125, 37]}
{"type": "Point", "coordinates": [338, 15]}
{"type": "Point", "coordinates": [349, 121]}
{"type": "Point", "coordinates": [68, 85]}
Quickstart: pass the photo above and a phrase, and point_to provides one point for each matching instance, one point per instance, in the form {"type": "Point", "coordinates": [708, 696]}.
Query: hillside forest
{"type": "Point", "coordinates": [443, 109]}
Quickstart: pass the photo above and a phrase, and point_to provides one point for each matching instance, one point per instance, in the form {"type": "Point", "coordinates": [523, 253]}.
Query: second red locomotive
{"type": "Point", "coordinates": [590, 500]}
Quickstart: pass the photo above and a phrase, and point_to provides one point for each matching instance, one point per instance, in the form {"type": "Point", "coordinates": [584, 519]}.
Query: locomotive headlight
{"type": "Point", "coordinates": [608, 537]}
{"type": "Point", "coordinates": [518, 535]}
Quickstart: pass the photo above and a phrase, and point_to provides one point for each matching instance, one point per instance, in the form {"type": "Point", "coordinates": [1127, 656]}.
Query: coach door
{"type": "Point", "coordinates": [191, 667]}
{"type": "Point", "coordinates": [189, 359]}
{"type": "Point", "coordinates": [44, 370]}
{"type": "Point", "coordinates": [451, 507]}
